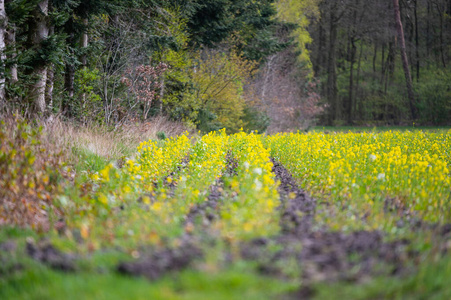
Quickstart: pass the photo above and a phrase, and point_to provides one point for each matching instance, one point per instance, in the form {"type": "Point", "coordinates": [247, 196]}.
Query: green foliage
{"type": "Point", "coordinates": [207, 121]}
{"type": "Point", "coordinates": [252, 23]}
{"type": "Point", "coordinates": [255, 120]}
{"type": "Point", "coordinates": [430, 282]}
{"type": "Point", "coordinates": [178, 94]}
{"type": "Point", "coordinates": [235, 282]}
{"type": "Point", "coordinates": [18, 11]}
{"type": "Point", "coordinates": [434, 97]}
{"type": "Point", "coordinates": [219, 80]}
{"type": "Point", "coordinates": [161, 135]}
{"type": "Point", "coordinates": [211, 23]}
{"type": "Point", "coordinates": [87, 104]}
{"type": "Point", "coordinates": [299, 13]}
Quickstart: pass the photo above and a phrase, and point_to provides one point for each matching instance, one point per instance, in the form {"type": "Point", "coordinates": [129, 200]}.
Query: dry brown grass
{"type": "Point", "coordinates": [109, 142]}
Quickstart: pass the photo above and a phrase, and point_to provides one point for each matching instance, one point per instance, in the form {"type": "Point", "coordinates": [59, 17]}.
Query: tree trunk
{"type": "Point", "coordinates": [405, 62]}
{"type": "Point", "coordinates": [428, 33]}
{"type": "Point", "coordinates": [69, 71]}
{"type": "Point", "coordinates": [318, 67]}
{"type": "Point", "coordinates": [50, 85]}
{"type": "Point", "coordinates": [83, 57]}
{"type": "Point", "coordinates": [358, 78]}
{"type": "Point", "coordinates": [417, 45]}
{"type": "Point", "coordinates": [352, 49]}
{"type": "Point", "coordinates": [69, 76]}
{"type": "Point", "coordinates": [10, 42]}
{"type": "Point", "coordinates": [349, 105]}
{"type": "Point", "coordinates": [161, 93]}
{"type": "Point", "coordinates": [3, 24]}
{"type": "Point", "coordinates": [50, 77]}
{"type": "Point", "coordinates": [390, 64]}
{"type": "Point", "coordinates": [374, 57]}
{"type": "Point", "coordinates": [442, 51]}
{"type": "Point", "coordinates": [38, 32]}
{"type": "Point", "coordinates": [331, 70]}
{"type": "Point", "coordinates": [383, 64]}
{"type": "Point", "coordinates": [84, 42]}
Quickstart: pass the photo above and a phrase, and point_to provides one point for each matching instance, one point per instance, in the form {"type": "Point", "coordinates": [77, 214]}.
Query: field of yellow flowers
{"type": "Point", "coordinates": [301, 208]}
{"type": "Point", "coordinates": [365, 172]}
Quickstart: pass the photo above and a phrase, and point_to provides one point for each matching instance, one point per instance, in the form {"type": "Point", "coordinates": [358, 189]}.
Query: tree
{"type": "Point", "coordinates": [300, 13]}
{"type": "Point", "coordinates": [3, 23]}
{"type": "Point", "coordinates": [219, 79]}
{"type": "Point", "coordinates": [252, 23]}
{"type": "Point", "coordinates": [405, 62]}
{"type": "Point", "coordinates": [38, 31]}
{"type": "Point", "coordinates": [335, 15]}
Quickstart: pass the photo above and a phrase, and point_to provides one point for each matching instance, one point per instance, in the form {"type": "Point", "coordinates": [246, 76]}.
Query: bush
{"type": "Point", "coordinates": [31, 174]}
{"type": "Point", "coordinates": [255, 120]}
{"type": "Point", "coordinates": [161, 135]}
{"type": "Point", "coordinates": [207, 121]}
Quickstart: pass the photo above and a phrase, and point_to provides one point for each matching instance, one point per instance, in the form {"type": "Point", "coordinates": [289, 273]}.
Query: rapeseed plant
{"type": "Point", "coordinates": [365, 169]}
{"type": "Point", "coordinates": [252, 212]}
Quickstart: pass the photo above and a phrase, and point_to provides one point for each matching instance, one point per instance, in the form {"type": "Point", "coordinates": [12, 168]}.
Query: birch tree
{"type": "Point", "coordinates": [38, 32]}
{"type": "Point", "coordinates": [3, 23]}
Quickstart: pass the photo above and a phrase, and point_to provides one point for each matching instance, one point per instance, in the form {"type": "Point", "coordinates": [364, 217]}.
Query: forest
{"type": "Point", "coordinates": [258, 65]}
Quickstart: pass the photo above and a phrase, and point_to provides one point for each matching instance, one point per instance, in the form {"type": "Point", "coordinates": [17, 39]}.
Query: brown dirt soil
{"type": "Point", "coordinates": [157, 263]}
{"type": "Point", "coordinates": [321, 254]}
{"type": "Point", "coordinates": [46, 253]}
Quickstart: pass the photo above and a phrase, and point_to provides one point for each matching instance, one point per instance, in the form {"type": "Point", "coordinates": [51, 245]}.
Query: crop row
{"type": "Point", "coordinates": [152, 194]}
{"type": "Point", "coordinates": [365, 172]}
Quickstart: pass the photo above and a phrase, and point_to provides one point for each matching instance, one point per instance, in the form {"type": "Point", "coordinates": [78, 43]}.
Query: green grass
{"type": "Point", "coordinates": [96, 278]}
{"type": "Point", "coordinates": [237, 282]}
{"type": "Point", "coordinates": [378, 128]}
{"type": "Point", "coordinates": [431, 281]}
{"type": "Point", "coordinates": [88, 161]}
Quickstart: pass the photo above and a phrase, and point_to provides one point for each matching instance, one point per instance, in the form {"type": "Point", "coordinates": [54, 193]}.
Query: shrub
{"type": "Point", "coordinates": [31, 174]}
{"type": "Point", "coordinates": [161, 135]}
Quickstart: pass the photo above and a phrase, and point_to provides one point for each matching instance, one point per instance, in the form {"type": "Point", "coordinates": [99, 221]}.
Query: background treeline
{"type": "Point", "coordinates": [116, 61]}
{"type": "Point", "coordinates": [266, 65]}
{"type": "Point", "coordinates": [356, 53]}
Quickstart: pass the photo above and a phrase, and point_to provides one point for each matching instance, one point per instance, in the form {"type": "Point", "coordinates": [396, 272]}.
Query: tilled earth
{"type": "Point", "coordinates": [155, 264]}
{"type": "Point", "coordinates": [323, 254]}
{"type": "Point", "coordinates": [317, 254]}
{"type": "Point", "coordinates": [320, 254]}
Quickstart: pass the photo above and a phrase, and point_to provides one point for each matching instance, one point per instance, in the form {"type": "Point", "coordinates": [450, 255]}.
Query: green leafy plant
{"type": "Point", "coordinates": [161, 135]}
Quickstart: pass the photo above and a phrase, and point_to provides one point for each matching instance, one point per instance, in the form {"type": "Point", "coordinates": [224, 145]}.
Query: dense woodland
{"type": "Point", "coordinates": [265, 65]}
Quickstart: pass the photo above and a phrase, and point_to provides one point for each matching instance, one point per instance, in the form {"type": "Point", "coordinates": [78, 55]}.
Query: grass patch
{"type": "Point", "coordinates": [233, 283]}
{"type": "Point", "coordinates": [378, 128]}
{"type": "Point", "coordinates": [431, 281]}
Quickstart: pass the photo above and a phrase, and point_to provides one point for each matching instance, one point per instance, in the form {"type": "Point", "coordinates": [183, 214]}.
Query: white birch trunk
{"type": "Point", "coordinates": [39, 33]}
{"type": "Point", "coordinates": [3, 23]}
{"type": "Point", "coordinates": [11, 41]}
{"type": "Point", "coordinates": [84, 41]}
{"type": "Point", "coordinates": [50, 77]}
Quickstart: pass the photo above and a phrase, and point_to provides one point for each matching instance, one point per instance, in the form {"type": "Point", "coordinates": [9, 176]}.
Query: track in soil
{"type": "Point", "coordinates": [197, 222]}
{"type": "Point", "coordinates": [321, 254]}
